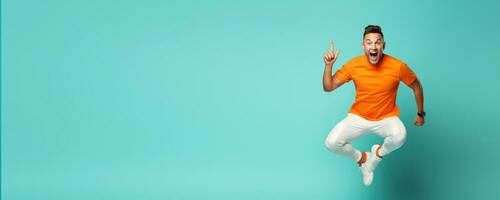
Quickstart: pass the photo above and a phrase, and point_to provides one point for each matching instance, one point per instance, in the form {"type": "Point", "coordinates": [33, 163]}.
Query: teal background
{"type": "Point", "coordinates": [224, 100]}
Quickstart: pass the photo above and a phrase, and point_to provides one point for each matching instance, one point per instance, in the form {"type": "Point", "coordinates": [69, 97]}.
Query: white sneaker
{"type": "Point", "coordinates": [374, 159]}
{"type": "Point", "coordinates": [365, 169]}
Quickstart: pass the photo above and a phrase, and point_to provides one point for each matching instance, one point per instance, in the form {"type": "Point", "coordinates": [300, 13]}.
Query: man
{"type": "Point", "coordinates": [376, 78]}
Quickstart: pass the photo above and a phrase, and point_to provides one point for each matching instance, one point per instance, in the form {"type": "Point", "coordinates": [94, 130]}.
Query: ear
{"type": "Point", "coordinates": [383, 46]}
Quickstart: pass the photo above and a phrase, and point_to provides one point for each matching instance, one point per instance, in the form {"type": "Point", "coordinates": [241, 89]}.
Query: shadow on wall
{"type": "Point", "coordinates": [406, 173]}
{"type": "Point", "coordinates": [453, 160]}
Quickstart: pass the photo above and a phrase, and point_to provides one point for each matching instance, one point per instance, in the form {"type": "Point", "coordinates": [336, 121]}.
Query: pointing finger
{"type": "Point", "coordinates": [331, 45]}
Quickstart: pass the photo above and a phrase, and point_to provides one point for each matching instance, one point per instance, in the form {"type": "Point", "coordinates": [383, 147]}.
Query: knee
{"type": "Point", "coordinates": [334, 145]}
{"type": "Point", "coordinates": [400, 137]}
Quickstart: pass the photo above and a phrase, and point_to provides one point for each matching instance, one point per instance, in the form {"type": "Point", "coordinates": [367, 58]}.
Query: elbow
{"type": "Point", "coordinates": [418, 91]}
{"type": "Point", "coordinates": [416, 86]}
{"type": "Point", "coordinates": [327, 89]}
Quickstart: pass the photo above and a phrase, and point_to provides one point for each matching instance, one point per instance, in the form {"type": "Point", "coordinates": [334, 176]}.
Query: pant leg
{"type": "Point", "coordinates": [394, 132]}
{"type": "Point", "coordinates": [346, 130]}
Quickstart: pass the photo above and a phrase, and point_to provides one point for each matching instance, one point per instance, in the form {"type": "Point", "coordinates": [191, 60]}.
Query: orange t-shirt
{"type": "Point", "coordinates": [376, 86]}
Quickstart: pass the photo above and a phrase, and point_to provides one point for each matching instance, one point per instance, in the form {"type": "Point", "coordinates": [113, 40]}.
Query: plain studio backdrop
{"type": "Point", "coordinates": [224, 99]}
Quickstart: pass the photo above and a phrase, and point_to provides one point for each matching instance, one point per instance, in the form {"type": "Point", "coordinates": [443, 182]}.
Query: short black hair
{"type": "Point", "coordinates": [373, 29]}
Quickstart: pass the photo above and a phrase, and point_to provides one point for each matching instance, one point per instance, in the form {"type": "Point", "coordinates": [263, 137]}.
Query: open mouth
{"type": "Point", "coordinates": [373, 55]}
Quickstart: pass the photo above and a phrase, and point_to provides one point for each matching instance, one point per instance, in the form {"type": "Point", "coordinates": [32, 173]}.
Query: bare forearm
{"type": "Point", "coordinates": [327, 78]}
{"type": "Point", "coordinates": [419, 98]}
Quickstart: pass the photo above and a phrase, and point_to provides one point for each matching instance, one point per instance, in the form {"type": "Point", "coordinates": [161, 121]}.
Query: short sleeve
{"type": "Point", "coordinates": [343, 74]}
{"type": "Point", "coordinates": [406, 75]}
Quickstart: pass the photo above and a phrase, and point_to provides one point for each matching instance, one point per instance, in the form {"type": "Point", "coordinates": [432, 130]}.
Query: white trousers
{"type": "Point", "coordinates": [354, 126]}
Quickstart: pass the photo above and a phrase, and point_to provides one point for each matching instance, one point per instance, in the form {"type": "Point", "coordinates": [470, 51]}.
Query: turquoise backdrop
{"type": "Point", "coordinates": [223, 100]}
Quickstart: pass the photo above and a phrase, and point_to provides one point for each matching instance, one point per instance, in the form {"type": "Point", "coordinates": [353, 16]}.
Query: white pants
{"type": "Point", "coordinates": [354, 126]}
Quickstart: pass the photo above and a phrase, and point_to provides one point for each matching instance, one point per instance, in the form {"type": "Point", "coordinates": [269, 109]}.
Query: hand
{"type": "Point", "coordinates": [419, 121]}
{"type": "Point", "coordinates": [329, 57]}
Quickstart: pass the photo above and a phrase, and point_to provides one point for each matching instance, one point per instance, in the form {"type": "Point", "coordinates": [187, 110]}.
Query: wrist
{"type": "Point", "coordinates": [421, 114]}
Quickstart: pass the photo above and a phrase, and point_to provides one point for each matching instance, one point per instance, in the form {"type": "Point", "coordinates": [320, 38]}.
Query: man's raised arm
{"type": "Point", "coordinates": [330, 83]}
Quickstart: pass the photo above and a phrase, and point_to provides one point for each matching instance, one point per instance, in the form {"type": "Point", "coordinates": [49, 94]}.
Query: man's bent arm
{"type": "Point", "coordinates": [416, 86]}
{"type": "Point", "coordinates": [329, 82]}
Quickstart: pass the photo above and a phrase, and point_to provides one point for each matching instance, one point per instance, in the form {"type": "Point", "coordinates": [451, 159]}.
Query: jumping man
{"type": "Point", "coordinates": [376, 78]}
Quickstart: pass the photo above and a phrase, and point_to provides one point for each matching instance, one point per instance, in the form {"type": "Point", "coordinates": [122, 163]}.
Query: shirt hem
{"type": "Point", "coordinates": [375, 118]}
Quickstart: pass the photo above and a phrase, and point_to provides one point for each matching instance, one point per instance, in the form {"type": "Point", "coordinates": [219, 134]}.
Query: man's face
{"type": "Point", "coordinates": [373, 45]}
